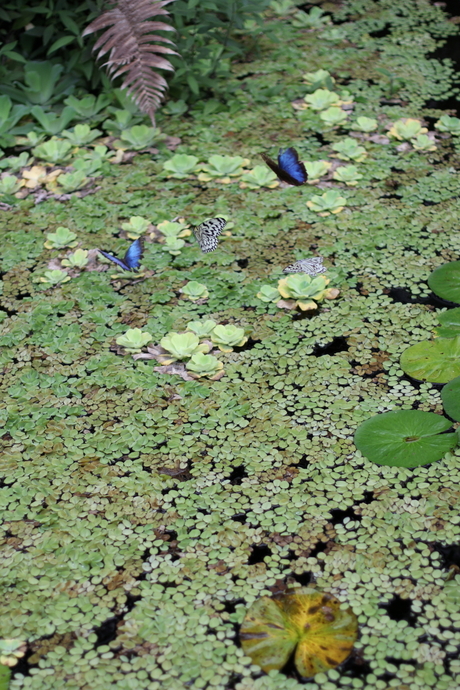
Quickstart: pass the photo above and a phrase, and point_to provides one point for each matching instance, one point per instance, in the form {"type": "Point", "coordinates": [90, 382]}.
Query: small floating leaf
{"type": "Point", "coordinates": [308, 619]}
{"type": "Point", "coordinates": [445, 281]}
{"type": "Point", "coordinates": [405, 438]}
{"type": "Point", "coordinates": [450, 395]}
{"type": "Point", "coordinates": [437, 361]}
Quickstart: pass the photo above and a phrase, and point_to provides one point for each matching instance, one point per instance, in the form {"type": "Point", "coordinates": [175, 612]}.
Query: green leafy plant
{"type": "Point", "coordinates": [395, 83]}
{"type": "Point", "coordinates": [305, 290]}
{"type": "Point", "coordinates": [15, 163]}
{"type": "Point", "coordinates": [9, 185]}
{"type": "Point", "coordinates": [202, 329]}
{"type": "Point", "coordinates": [205, 365]}
{"type": "Point", "coordinates": [311, 623]}
{"type": "Point", "coordinates": [134, 340]}
{"type": "Point", "coordinates": [173, 245]}
{"type": "Point", "coordinates": [195, 291]}
{"type": "Point", "coordinates": [348, 174]}
{"type": "Point", "coordinates": [450, 323]}
{"type": "Point", "coordinates": [445, 281]}
{"type": "Point", "coordinates": [407, 128]}
{"type": "Point", "coordinates": [348, 149]}
{"type": "Point", "coordinates": [81, 135]}
{"type": "Point", "coordinates": [136, 227]}
{"type": "Point", "coordinates": [53, 151]}
{"type": "Point", "coordinates": [63, 237]}
{"type": "Point", "coordinates": [268, 293]}
{"type": "Point", "coordinates": [327, 203]}
{"type": "Point", "coordinates": [365, 124]}
{"type": "Point", "coordinates": [321, 99]}
{"type": "Point", "coordinates": [228, 337]}
{"type": "Point", "coordinates": [333, 116]}
{"type": "Point", "coordinates": [54, 277]}
{"type": "Point", "coordinates": [448, 124]}
{"type": "Point", "coordinates": [282, 7]}
{"type": "Point", "coordinates": [51, 122]}
{"type": "Point", "coordinates": [316, 169]}
{"type": "Point", "coordinates": [422, 142]}
{"type": "Point", "coordinates": [180, 165]}
{"type": "Point", "coordinates": [321, 79]}
{"type": "Point", "coordinates": [43, 84]}
{"type": "Point", "coordinates": [405, 438]}
{"type": "Point", "coordinates": [450, 395]}
{"type": "Point", "coordinates": [315, 19]}
{"type": "Point", "coordinates": [181, 346]}
{"type": "Point", "coordinates": [437, 361]}
{"type": "Point", "coordinates": [11, 651]}
{"type": "Point", "coordinates": [78, 259]}
{"type": "Point", "coordinates": [88, 107]}
{"type": "Point", "coordinates": [9, 115]}
{"type": "Point", "coordinates": [71, 182]}
{"type": "Point", "coordinates": [139, 137]}
{"type": "Point", "coordinates": [223, 167]}
{"type": "Point", "coordinates": [178, 107]}
{"type": "Point", "coordinates": [124, 119]}
{"type": "Point", "coordinates": [258, 177]}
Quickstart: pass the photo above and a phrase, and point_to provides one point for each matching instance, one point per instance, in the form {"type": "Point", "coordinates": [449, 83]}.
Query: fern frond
{"type": "Point", "coordinates": [133, 49]}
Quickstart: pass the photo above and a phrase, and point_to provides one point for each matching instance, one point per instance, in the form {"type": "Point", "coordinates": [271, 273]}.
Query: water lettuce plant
{"type": "Point", "coordinates": [88, 107]}
{"type": "Point", "coordinates": [321, 99]}
{"type": "Point", "coordinates": [52, 123]}
{"type": "Point", "coordinates": [11, 650]}
{"type": "Point", "coordinates": [405, 438]}
{"type": "Point", "coordinates": [9, 115]}
{"type": "Point", "coordinates": [180, 166]}
{"type": "Point", "coordinates": [365, 124]}
{"type": "Point", "coordinates": [15, 163]}
{"type": "Point", "coordinates": [10, 185]}
{"type": "Point", "coordinates": [268, 293]}
{"type": "Point", "coordinates": [422, 142]}
{"type": "Point", "coordinates": [71, 182]}
{"type": "Point", "coordinates": [62, 237]}
{"type": "Point", "coordinates": [202, 329]}
{"type": "Point", "coordinates": [228, 337]}
{"type": "Point", "coordinates": [312, 623]}
{"type": "Point", "coordinates": [222, 168]}
{"type": "Point", "coordinates": [195, 291]}
{"type": "Point", "coordinates": [78, 259]}
{"type": "Point", "coordinates": [319, 79]}
{"type": "Point", "coordinates": [181, 346]}
{"type": "Point", "coordinates": [133, 340]}
{"type": "Point", "coordinates": [333, 116]}
{"type": "Point", "coordinates": [316, 169]}
{"type": "Point", "coordinates": [260, 176]}
{"type": "Point", "coordinates": [306, 290]}
{"type": "Point", "coordinates": [201, 365]}
{"type": "Point", "coordinates": [136, 227]}
{"type": "Point", "coordinates": [449, 124]}
{"type": "Point", "coordinates": [348, 149]}
{"type": "Point", "coordinates": [54, 277]}
{"type": "Point", "coordinates": [81, 135]}
{"type": "Point", "coordinates": [407, 128]}
{"type": "Point", "coordinates": [348, 174]}
{"type": "Point", "coordinates": [139, 137]}
{"type": "Point", "coordinates": [327, 203]}
{"type": "Point", "coordinates": [53, 151]}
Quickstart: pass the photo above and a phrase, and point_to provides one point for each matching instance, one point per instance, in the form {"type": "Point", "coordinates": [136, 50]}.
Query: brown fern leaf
{"type": "Point", "coordinates": [129, 42]}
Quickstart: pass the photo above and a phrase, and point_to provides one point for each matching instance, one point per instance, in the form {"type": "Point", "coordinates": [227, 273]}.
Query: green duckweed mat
{"type": "Point", "coordinates": [143, 513]}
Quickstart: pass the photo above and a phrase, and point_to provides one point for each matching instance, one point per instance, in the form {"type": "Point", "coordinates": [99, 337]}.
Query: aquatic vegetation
{"type": "Point", "coordinates": [52, 123]}
{"type": "Point", "coordinates": [78, 259]}
{"type": "Point", "coordinates": [139, 137]}
{"type": "Point", "coordinates": [407, 128]}
{"type": "Point", "coordinates": [348, 174]}
{"type": "Point", "coordinates": [54, 277]}
{"type": "Point", "coordinates": [327, 203]}
{"type": "Point", "coordinates": [349, 149]}
{"type": "Point", "coordinates": [182, 346]}
{"type": "Point", "coordinates": [316, 170]}
{"type": "Point", "coordinates": [9, 185]}
{"type": "Point", "coordinates": [223, 168]}
{"type": "Point", "coordinates": [319, 79]}
{"type": "Point", "coordinates": [306, 290]}
{"type": "Point", "coordinates": [268, 293]}
{"type": "Point", "coordinates": [437, 361]}
{"type": "Point", "coordinates": [446, 123]}
{"type": "Point", "coordinates": [450, 395]}
{"type": "Point", "coordinates": [422, 142]}
{"type": "Point", "coordinates": [195, 291]}
{"type": "Point", "coordinates": [321, 99]}
{"type": "Point", "coordinates": [81, 135]}
{"type": "Point", "coordinates": [228, 337]}
{"type": "Point", "coordinates": [205, 365]}
{"type": "Point", "coordinates": [63, 237]}
{"type": "Point", "coordinates": [134, 340]}
{"type": "Point", "coordinates": [445, 281]}
{"type": "Point", "coordinates": [202, 329]}
{"type": "Point", "coordinates": [15, 163]}
{"type": "Point", "coordinates": [181, 165]}
{"type": "Point", "coordinates": [365, 124]}
{"type": "Point", "coordinates": [450, 323]}
{"type": "Point", "coordinates": [259, 177]}
{"type": "Point", "coordinates": [53, 151]}
{"type": "Point", "coordinates": [333, 116]}
{"type": "Point", "coordinates": [71, 182]}
{"type": "Point", "coordinates": [136, 227]}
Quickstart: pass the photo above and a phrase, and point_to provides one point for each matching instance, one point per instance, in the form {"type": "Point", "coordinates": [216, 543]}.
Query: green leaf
{"type": "Point", "coordinates": [450, 323]}
{"type": "Point", "coordinates": [445, 281]}
{"type": "Point", "coordinates": [405, 438]}
{"type": "Point", "coordinates": [450, 395]}
{"type": "Point", "coordinates": [63, 41]}
{"type": "Point", "coordinates": [437, 360]}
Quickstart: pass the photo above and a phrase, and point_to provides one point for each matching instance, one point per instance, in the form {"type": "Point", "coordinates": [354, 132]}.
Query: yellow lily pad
{"type": "Point", "coordinates": [308, 621]}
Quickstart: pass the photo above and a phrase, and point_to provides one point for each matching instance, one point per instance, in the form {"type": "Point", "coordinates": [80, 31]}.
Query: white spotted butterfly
{"type": "Point", "coordinates": [311, 266]}
{"type": "Point", "coordinates": [208, 232]}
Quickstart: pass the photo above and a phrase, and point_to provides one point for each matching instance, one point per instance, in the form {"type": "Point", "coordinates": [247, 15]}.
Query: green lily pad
{"type": "Point", "coordinates": [445, 281]}
{"type": "Point", "coordinates": [450, 395]}
{"type": "Point", "coordinates": [308, 621]}
{"type": "Point", "coordinates": [450, 323]}
{"type": "Point", "coordinates": [437, 361]}
{"type": "Point", "coordinates": [405, 438]}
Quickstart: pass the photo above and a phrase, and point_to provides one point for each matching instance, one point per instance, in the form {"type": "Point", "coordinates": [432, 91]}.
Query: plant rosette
{"type": "Point", "coordinates": [11, 651]}
{"type": "Point", "coordinates": [448, 124]}
{"type": "Point", "coordinates": [201, 365]}
{"type": "Point", "coordinates": [228, 337]}
{"type": "Point", "coordinates": [423, 142]}
{"type": "Point", "coordinates": [194, 291]}
{"type": "Point", "coordinates": [321, 99]}
{"type": "Point", "coordinates": [133, 340]}
{"type": "Point", "coordinates": [81, 135]}
{"type": "Point", "coordinates": [405, 438]}
{"type": "Point", "coordinates": [202, 329]}
{"type": "Point", "coordinates": [181, 346]}
{"type": "Point", "coordinates": [316, 170]}
{"type": "Point", "coordinates": [69, 182]}
{"type": "Point", "coordinates": [63, 237]}
{"type": "Point", "coordinates": [138, 138]}
{"type": "Point", "coordinates": [365, 124]}
{"type": "Point", "coordinates": [319, 79]}
{"type": "Point", "coordinates": [136, 227]}
{"type": "Point", "coordinates": [171, 229]}
{"type": "Point", "coordinates": [312, 624]}
{"type": "Point", "coordinates": [333, 116]}
{"type": "Point", "coordinates": [223, 168]}
{"type": "Point", "coordinates": [406, 129]}
{"type": "Point", "coordinates": [54, 151]}
{"type": "Point", "coordinates": [348, 149]}
{"type": "Point", "coordinates": [54, 277]}
{"type": "Point", "coordinates": [78, 259]}
{"type": "Point", "coordinates": [348, 174]}
{"type": "Point", "coordinates": [15, 163]}
{"type": "Point", "coordinates": [260, 176]}
{"type": "Point", "coordinates": [304, 289]}
{"type": "Point", "coordinates": [180, 166]}
{"type": "Point", "coordinates": [436, 361]}
{"type": "Point", "coordinates": [327, 203]}
{"type": "Point", "coordinates": [10, 186]}
{"type": "Point", "coordinates": [268, 293]}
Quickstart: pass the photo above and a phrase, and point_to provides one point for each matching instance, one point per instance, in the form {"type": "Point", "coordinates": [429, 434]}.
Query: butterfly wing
{"type": "Point", "coordinates": [311, 266]}
{"type": "Point", "coordinates": [115, 260]}
{"type": "Point", "coordinates": [208, 232]}
{"type": "Point", "coordinates": [288, 169]}
{"type": "Point", "coordinates": [133, 256]}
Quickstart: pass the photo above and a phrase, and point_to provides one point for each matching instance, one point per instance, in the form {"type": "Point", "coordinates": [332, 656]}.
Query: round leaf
{"type": "Point", "coordinates": [445, 281]}
{"type": "Point", "coordinates": [309, 619]}
{"type": "Point", "coordinates": [450, 323]}
{"type": "Point", "coordinates": [450, 395]}
{"type": "Point", "coordinates": [405, 438]}
{"type": "Point", "coordinates": [437, 360]}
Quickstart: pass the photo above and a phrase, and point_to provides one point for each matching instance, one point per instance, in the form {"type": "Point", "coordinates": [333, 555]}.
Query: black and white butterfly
{"type": "Point", "coordinates": [208, 232]}
{"type": "Point", "coordinates": [132, 259]}
{"type": "Point", "coordinates": [312, 266]}
{"type": "Point", "coordinates": [288, 169]}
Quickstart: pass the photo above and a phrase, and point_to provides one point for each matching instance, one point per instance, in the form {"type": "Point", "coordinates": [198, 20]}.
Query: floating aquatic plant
{"type": "Point", "coordinates": [228, 337]}
{"type": "Point", "coordinates": [195, 291]}
{"type": "Point", "coordinates": [327, 203]}
{"type": "Point", "coordinates": [133, 340]}
{"type": "Point", "coordinates": [205, 365]}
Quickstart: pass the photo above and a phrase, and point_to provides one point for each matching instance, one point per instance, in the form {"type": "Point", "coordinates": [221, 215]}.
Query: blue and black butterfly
{"type": "Point", "coordinates": [288, 169]}
{"type": "Point", "coordinates": [132, 259]}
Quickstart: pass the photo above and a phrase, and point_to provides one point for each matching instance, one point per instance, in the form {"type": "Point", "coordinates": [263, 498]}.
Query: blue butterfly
{"type": "Point", "coordinates": [131, 259]}
{"type": "Point", "coordinates": [289, 169]}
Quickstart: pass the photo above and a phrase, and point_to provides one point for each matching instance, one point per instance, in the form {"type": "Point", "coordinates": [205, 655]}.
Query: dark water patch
{"type": "Point", "coordinates": [381, 33]}
{"type": "Point", "coordinates": [304, 462]}
{"type": "Point", "coordinates": [403, 296]}
{"type": "Point", "coordinates": [449, 50]}
{"type": "Point", "coordinates": [259, 553]}
{"type": "Point", "coordinates": [248, 345]}
{"type": "Point", "coordinates": [338, 344]}
{"type": "Point", "coordinates": [450, 554]}
{"type": "Point", "coordinates": [237, 475]}
{"type": "Point", "coordinates": [339, 515]}
{"type": "Point", "coordinates": [243, 263]}
{"type": "Point", "coordinates": [239, 517]}
{"type": "Point", "coordinates": [304, 579]}
{"type": "Point", "coordinates": [107, 632]}
{"type": "Point", "coordinates": [400, 610]}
